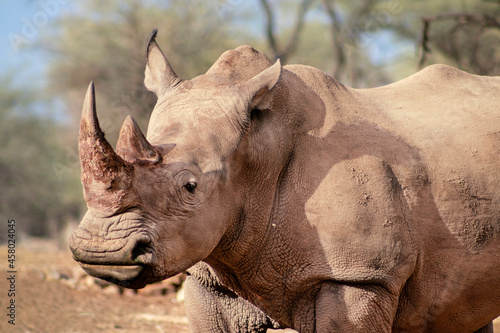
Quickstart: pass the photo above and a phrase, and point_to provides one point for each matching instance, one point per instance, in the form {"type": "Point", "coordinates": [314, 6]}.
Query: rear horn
{"type": "Point", "coordinates": [133, 146]}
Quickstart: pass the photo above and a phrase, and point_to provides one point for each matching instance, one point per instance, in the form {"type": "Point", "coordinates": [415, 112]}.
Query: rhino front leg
{"type": "Point", "coordinates": [213, 308]}
{"type": "Point", "coordinates": [352, 308]}
{"type": "Point", "coordinates": [204, 312]}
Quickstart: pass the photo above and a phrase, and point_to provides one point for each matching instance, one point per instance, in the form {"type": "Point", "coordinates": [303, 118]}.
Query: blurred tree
{"type": "Point", "coordinates": [32, 189]}
{"type": "Point", "coordinates": [463, 33]}
{"type": "Point", "coordinates": [280, 51]}
{"type": "Point", "coordinates": [329, 34]}
{"type": "Point", "coordinates": [360, 42]}
{"type": "Point", "coordinates": [471, 41]}
{"type": "Point", "coordinates": [348, 21]}
{"type": "Point", "coordinates": [105, 42]}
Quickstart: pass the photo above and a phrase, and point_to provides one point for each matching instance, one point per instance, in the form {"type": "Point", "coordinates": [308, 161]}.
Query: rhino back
{"type": "Point", "coordinates": [453, 119]}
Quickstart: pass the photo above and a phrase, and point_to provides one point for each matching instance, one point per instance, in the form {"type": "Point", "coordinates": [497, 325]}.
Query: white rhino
{"type": "Point", "coordinates": [300, 203]}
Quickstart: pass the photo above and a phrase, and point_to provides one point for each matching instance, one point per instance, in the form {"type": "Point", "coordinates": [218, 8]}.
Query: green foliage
{"type": "Point", "coordinates": [32, 192]}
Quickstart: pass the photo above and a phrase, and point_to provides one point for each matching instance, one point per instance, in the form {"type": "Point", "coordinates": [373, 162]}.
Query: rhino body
{"type": "Point", "coordinates": [297, 202]}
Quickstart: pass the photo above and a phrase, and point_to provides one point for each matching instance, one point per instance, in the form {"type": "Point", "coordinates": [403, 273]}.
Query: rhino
{"type": "Point", "coordinates": [296, 202]}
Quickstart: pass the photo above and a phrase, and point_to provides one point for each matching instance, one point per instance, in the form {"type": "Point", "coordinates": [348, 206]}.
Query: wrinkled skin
{"type": "Point", "coordinates": [297, 202]}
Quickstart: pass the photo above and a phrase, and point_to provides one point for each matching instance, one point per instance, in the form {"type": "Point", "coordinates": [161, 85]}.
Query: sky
{"type": "Point", "coordinates": [21, 22]}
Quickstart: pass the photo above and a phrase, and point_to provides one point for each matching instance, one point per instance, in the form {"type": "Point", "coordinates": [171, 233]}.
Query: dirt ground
{"type": "Point", "coordinates": [54, 295]}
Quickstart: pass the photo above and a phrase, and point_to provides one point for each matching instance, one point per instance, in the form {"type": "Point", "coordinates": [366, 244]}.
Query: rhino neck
{"type": "Point", "coordinates": [267, 246]}
{"type": "Point", "coordinates": [244, 259]}
{"type": "Point", "coordinates": [266, 243]}
{"type": "Point", "coordinates": [264, 164]}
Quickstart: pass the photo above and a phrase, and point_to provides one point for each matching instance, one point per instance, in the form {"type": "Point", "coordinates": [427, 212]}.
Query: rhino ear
{"type": "Point", "coordinates": [159, 76]}
{"type": "Point", "coordinates": [133, 146]}
{"type": "Point", "coordinates": [257, 88]}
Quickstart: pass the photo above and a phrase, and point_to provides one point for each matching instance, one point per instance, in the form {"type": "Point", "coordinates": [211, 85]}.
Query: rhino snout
{"type": "Point", "coordinates": [134, 249]}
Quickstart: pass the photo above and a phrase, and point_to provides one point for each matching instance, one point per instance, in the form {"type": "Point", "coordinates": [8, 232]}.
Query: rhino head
{"type": "Point", "coordinates": [158, 205]}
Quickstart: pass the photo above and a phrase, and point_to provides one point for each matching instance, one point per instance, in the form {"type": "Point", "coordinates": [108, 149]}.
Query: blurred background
{"type": "Point", "coordinates": [51, 49]}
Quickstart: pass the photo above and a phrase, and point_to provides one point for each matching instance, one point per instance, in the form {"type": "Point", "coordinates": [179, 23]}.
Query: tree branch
{"type": "Point", "coordinates": [270, 26]}
{"type": "Point", "coordinates": [337, 39]}
{"type": "Point", "coordinates": [291, 46]}
{"type": "Point", "coordinates": [356, 15]}
{"type": "Point", "coordinates": [299, 24]}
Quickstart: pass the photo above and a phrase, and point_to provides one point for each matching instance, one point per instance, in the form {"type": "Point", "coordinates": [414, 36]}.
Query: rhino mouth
{"type": "Point", "coordinates": [128, 276]}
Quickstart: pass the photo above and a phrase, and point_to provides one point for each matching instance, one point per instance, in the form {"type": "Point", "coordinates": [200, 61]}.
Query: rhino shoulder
{"type": "Point", "coordinates": [360, 214]}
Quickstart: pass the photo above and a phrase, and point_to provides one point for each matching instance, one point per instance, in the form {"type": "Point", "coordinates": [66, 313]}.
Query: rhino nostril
{"type": "Point", "coordinates": [144, 239]}
{"type": "Point", "coordinates": [142, 252]}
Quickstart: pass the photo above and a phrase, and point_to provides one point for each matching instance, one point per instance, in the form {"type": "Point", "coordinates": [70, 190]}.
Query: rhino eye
{"type": "Point", "coordinates": [191, 185]}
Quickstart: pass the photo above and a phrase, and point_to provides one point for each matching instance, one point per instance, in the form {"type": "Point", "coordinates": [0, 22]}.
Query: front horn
{"type": "Point", "coordinates": [102, 169]}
